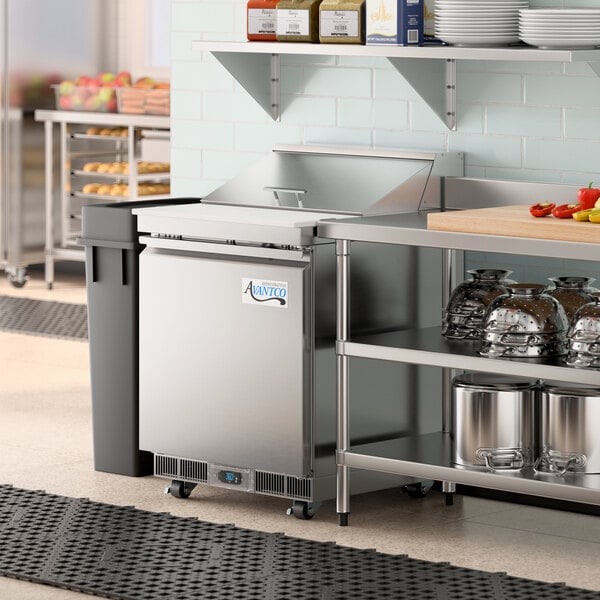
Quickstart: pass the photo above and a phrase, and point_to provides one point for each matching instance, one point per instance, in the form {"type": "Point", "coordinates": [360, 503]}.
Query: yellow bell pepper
{"type": "Point", "coordinates": [584, 215]}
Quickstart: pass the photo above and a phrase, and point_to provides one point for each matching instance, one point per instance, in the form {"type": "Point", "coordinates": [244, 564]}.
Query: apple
{"type": "Point", "coordinates": [111, 105]}
{"type": "Point", "coordinates": [105, 94]}
{"type": "Point", "coordinates": [93, 103]}
{"type": "Point", "coordinates": [65, 103]}
{"type": "Point", "coordinates": [77, 100]}
{"type": "Point", "coordinates": [105, 78]}
{"type": "Point", "coordinates": [66, 87]}
{"type": "Point", "coordinates": [124, 78]}
{"type": "Point", "coordinates": [144, 82]}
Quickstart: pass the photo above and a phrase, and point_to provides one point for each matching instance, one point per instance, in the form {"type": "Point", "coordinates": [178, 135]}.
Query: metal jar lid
{"type": "Point", "coordinates": [570, 389]}
{"type": "Point", "coordinates": [490, 381]}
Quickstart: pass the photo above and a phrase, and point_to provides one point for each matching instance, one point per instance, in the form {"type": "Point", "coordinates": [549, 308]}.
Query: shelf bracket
{"type": "Point", "coordinates": [252, 71]}
{"type": "Point", "coordinates": [595, 66]}
{"type": "Point", "coordinates": [435, 81]}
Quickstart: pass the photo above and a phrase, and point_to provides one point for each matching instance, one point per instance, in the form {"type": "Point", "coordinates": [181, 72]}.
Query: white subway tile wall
{"type": "Point", "coordinates": [527, 121]}
{"type": "Point", "coordinates": [523, 121]}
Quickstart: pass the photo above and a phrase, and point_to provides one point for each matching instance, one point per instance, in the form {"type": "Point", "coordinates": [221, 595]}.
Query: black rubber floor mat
{"type": "Point", "coordinates": [129, 554]}
{"type": "Point", "coordinates": [41, 317]}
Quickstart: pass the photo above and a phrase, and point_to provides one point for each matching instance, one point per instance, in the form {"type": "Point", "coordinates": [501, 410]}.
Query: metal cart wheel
{"type": "Point", "coordinates": [17, 276]}
{"type": "Point", "coordinates": [418, 490]}
{"type": "Point", "coordinates": [180, 489]}
{"type": "Point", "coordinates": [303, 510]}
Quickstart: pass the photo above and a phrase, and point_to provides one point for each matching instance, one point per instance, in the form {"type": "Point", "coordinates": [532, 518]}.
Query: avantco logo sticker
{"type": "Point", "coordinates": [265, 293]}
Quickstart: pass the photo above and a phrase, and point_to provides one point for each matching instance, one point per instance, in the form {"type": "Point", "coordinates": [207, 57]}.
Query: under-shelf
{"type": "Point", "coordinates": [430, 456]}
{"type": "Point", "coordinates": [119, 198]}
{"type": "Point", "coordinates": [103, 138]}
{"type": "Point", "coordinates": [159, 176]}
{"type": "Point", "coordinates": [430, 70]}
{"type": "Point", "coordinates": [427, 346]}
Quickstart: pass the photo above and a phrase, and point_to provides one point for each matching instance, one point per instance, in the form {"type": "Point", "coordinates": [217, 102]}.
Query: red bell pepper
{"type": "Point", "coordinates": [588, 196]}
{"type": "Point", "coordinates": [565, 211]}
{"type": "Point", "coordinates": [541, 209]}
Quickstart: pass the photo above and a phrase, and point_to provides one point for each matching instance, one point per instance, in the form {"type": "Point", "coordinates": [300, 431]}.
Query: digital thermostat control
{"type": "Point", "coordinates": [231, 477]}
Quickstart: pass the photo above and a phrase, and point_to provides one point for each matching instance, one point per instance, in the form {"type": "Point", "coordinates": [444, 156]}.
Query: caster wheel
{"type": "Point", "coordinates": [343, 519]}
{"type": "Point", "coordinates": [302, 510]}
{"type": "Point", "coordinates": [448, 498]}
{"type": "Point", "coordinates": [17, 277]}
{"type": "Point", "coordinates": [418, 490]}
{"type": "Point", "coordinates": [16, 283]}
{"type": "Point", "coordinates": [180, 489]}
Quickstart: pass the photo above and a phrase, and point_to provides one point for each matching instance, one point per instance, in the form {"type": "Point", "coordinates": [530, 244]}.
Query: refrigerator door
{"type": "Point", "coordinates": [226, 358]}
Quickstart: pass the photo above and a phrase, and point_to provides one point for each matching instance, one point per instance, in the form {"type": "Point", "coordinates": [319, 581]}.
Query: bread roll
{"type": "Point", "coordinates": [90, 188]}
{"type": "Point", "coordinates": [104, 189]}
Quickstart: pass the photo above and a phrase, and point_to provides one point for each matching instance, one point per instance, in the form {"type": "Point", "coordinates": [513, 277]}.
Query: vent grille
{"type": "Point", "coordinates": [180, 468]}
{"type": "Point", "coordinates": [165, 466]}
{"type": "Point", "coordinates": [299, 488]}
{"type": "Point", "coordinates": [193, 470]}
{"type": "Point", "coordinates": [285, 486]}
{"type": "Point", "coordinates": [270, 483]}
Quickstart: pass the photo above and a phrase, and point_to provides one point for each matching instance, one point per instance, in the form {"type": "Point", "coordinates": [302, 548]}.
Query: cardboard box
{"type": "Point", "coordinates": [395, 22]}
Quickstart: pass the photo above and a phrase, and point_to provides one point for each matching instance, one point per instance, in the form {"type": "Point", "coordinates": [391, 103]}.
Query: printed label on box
{"type": "Point", "coordinates": [293, 22]}
{"type": "Point", "coordinates": [262, 21]}
{"type": "Point", "coordinates": [397, 22]}
{"type": "Point", "coordinates": [339, 23]}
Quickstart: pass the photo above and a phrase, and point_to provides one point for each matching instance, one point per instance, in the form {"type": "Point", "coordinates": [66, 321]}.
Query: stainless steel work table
{"type": "Point", "coordinates": [429, 456]}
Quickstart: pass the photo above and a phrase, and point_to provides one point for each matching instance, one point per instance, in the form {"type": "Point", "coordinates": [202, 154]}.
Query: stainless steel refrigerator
{"type": "Point", "coordinates": [41, 42]}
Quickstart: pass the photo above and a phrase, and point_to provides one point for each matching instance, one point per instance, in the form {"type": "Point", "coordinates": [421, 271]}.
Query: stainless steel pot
{"type": "Point", "coordinates": [570, 437]}
{"type": "Point", "coordinates": [494, 421]}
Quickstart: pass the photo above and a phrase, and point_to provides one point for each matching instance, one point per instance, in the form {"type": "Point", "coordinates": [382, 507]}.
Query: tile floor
{"type": "Point", "coordinates": [46, 443]}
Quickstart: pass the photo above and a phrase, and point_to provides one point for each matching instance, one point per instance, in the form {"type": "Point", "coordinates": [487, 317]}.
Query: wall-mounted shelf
{"type": "Point", "coordinates": [430, 70]}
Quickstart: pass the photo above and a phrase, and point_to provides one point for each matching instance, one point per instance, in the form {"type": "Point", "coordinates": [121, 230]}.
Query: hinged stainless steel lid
{"type": "Point", "coordinates": [356, 181]}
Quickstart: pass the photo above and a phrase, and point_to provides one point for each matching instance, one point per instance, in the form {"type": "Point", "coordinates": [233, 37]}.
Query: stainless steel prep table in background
{"type": "Point", "coordinates": [61, 244]}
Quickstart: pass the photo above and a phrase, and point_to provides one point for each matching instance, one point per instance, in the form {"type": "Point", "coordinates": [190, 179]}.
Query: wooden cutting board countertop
{"type": "Point", "coordinates": [514, 221]}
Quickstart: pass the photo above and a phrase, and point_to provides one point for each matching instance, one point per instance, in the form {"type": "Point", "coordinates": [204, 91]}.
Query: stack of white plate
{"type": "Point", "coordinates": [560, 27]}
{"type": "Point", "coordinates": [478, 22]}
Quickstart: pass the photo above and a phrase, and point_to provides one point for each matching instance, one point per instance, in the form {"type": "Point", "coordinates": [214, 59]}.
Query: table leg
{"type": "Point", "coordinates": [342, 250]}
{"type": "Point", "coordinates": [49, 185]}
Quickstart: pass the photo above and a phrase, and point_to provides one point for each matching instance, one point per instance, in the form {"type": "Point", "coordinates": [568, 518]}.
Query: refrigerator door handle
{"type": "Point", "coordinates": [93, 265]}
{"type": "Point", "coordinates": [123, 266]}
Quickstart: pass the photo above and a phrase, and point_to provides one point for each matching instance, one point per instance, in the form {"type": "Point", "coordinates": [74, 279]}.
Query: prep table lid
{"type": "Point", "coordinates": [358, 181]}
{"type": "Point", "coordinates": [226, 222]}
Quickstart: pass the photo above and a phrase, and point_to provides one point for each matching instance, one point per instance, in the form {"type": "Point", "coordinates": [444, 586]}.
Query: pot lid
{"type": "Point", "coordinates": [493, 382]}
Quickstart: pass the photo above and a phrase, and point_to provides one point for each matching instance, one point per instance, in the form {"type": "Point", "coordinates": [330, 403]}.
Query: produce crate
{"type": "Point", "coordinates": [86, 98]}
{"type": "Point", "coordinates": [141, 101]}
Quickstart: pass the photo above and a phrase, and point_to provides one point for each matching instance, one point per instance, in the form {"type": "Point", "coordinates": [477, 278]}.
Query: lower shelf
{"type": "Point", "coordinates": [429, 456]}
